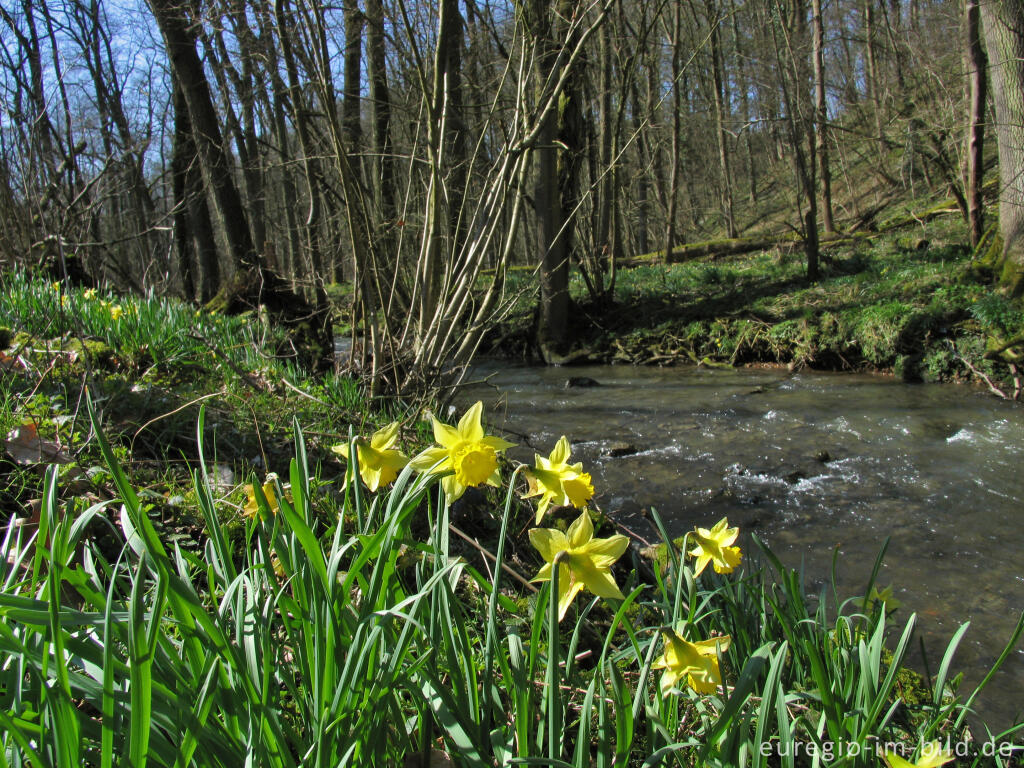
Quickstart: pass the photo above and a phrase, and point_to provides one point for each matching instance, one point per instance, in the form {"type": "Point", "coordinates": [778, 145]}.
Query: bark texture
{"type": "Point", "coordinates": [1003, 23]}
{"type": "Point", "coordinates": [187, 70]}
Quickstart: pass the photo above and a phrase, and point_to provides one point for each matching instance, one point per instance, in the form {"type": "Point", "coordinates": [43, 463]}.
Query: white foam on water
{"type": "Point", "coordinates": [964, 436]}
{"type": "Point", "coordinates": [841, 424]}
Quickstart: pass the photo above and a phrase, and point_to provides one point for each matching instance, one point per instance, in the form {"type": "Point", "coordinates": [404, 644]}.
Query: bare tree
{"type": "Point", "coordinates": [1003, 22]}
{"type": "Point", "coordinates": [821, 115]}
{"type": "Point", "coordinates": [977, 65]}
{"type": "Point", "coordinates": [229, 215]}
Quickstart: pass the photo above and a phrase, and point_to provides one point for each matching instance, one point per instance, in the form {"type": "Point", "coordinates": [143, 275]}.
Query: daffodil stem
{"type": "Point", "coordinates": [357, 491]}
{"type": "Point", "coordinates": [554, 698]}
{"type": "Point", "coordinates": [681, 579]}
{"type": "Point", "coordinates": [492, 606]}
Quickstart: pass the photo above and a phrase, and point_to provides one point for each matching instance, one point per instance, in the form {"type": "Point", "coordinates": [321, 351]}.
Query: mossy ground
{"type": "Point", "coordinates": [914, 305]}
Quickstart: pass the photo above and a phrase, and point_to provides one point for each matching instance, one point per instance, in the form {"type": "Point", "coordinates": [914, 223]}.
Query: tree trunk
{"type": "Point", "coordinates": [674, 150]}
{"type": "Point", "coordinates": [745, 86]}
{"type": "Point", "coordinates": [558, 158]}
{"type": "Point", "coordinates": [1003, 22]}
{"type": "Point", "coordinates": [301, 118]}
{"type": "Point", "coordinates": [720, 102]}
{"type": "Point", "coordinates": [872, 77]}
{"type": "Point", "coordinates": [187, 70]}
{"type": "Point", "coordinates": [380, 99]}
{"type": "Point", "coordinates": [195, 244]}
{"type": "Point", "coordinates": [821, 117]}
{"type": "Point", "coordinates": [976, 64]}
{"type": "Point", "coordinates": [795, 79]}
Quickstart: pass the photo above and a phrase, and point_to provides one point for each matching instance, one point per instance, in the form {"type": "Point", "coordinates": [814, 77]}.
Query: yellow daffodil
{"type": "Point", "coordinates": [697, 663]}
{"type": "Point", "coordinates": [558, 482]}
{"type": "Point", "coordinates": [713, 547]}
{"type": "Point", "coordinates": [582, 560]}
{"type": "Point", "coordinates": [379, 461]}
{"type": "Point", "coordinates": [465, 451]}
{"type": "Point", "coordinates": [89, 294]}
{"type": "Point", "coordinates": [252, 505]}
{"type": "Point", "coordinates": [885, 597]}
{"type": "Point", "coordinates": [932, 756]}
{"type": "Point", "coordinates": [116, 311]}
{"type": "Point", "coordinates": [277, 565]}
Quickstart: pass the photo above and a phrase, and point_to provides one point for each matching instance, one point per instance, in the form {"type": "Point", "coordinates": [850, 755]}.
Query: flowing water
{"type": "Point", "coordinates": [811, 463]}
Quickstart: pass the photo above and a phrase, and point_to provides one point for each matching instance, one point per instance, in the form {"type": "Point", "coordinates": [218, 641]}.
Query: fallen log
{"type": "Point", "coordinates": [734, 247]}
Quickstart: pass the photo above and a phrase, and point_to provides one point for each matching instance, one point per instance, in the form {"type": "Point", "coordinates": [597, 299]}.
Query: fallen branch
{"type": "Point", "coordinates": [981, 375]}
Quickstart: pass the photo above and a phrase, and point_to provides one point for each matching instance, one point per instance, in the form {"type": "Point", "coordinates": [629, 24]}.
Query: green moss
{"type": "Point", "coordinates": [20, 340]}
{"type": "Point", "coordinates": [97, 352]}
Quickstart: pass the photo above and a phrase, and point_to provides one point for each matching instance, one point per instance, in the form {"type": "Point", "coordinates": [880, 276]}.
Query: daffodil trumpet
{"type": "Point", "coordinates": [264, 496]}
{"type": "Point", "coordinates": [715, 546]}
{"type": "Point", "coordinates": [695, 663]}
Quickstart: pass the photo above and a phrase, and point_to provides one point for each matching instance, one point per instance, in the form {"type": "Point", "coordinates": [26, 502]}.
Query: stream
{"type": "Point", "coordinates": [810, 462]}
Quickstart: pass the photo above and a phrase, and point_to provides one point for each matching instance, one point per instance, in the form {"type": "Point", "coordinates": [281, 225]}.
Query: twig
{"type": "Point", "coordinates": [487, 554]}
{"type": "Point", "coordinates": [994, 389]}
{"type": "Point", "coordinates": [170, 413]}
{"type": "Point", "coordinates": [304, 394]}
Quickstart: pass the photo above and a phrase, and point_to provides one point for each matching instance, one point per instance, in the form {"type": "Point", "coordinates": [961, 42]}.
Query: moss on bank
{"type": "Point", "coordinates": [914, 306]}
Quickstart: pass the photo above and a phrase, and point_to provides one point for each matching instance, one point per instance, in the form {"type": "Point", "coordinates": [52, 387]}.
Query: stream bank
{"type": "Point", "coordinates": [918, 308]}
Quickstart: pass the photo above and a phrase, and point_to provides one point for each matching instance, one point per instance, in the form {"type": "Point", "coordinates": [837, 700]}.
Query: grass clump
{"type": "Point", "coordinates": [150, 365]}
{"type": "Point", "coordinates": [345, 626]}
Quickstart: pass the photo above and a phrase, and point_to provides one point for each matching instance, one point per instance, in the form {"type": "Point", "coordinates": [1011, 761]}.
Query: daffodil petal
{"type": "Point", "coordinates": [567, 591]}
{"type": "Point", "coordinates": [702, 563]}
{"type": "Point", "coordinates": [895, 761]}
{"type": "Point", "coordinates": [580, 531]}
{"type": "Point", "coordinates": [704, 683]}
{"type": "Point", "coordinates": [932, 755]}
{"type": "Point", "coordinates": [496, 442]}
{"type": "Point", "coordinates": [445, 436]}
{"type": "Point", "coordinates": [560, 453]}
{"type": "Point", "coordinates": [723, 534]}
{"type": "Point", "coordinates": [372, 477]}
{"type": "Point", "coordinates": [713, 646]}
{"type": "Point", "coordinates": [544, 574]}
{"type": "Point", "coordinates": [597, 580]}
{"type": "Point", "coordinates": [494, 480]}
{"type": "Point", "coordinates": [603, 552]}
{"type": "Point", "coordinates": [549, 542]}
{"type": "Point", "coordinates": [731, 557]}
{"type": "Point", "coordinates": [434, 460]}
{"type": "Point", "coordinates": [470, 427]}
{"type": "Point", "coordinates": [383, 438]}
{"type": "Point", "coordinates": [542, 507]}
{"type": "Point", "coordinates": [452, 488]}
{"type": "Point", "coordinates": [668, 681]}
